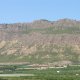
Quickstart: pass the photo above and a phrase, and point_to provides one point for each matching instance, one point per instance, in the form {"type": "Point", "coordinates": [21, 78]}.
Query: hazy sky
{"type": "Point", "coordinates": [12, 11]}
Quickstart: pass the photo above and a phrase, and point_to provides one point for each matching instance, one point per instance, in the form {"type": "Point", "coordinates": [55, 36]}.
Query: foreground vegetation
{"type": "Point", "coordinates": [57, 73]}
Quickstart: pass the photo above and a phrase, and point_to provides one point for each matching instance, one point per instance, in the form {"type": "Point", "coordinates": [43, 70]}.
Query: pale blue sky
{"type": "Point", "coordinates": [12, 11]}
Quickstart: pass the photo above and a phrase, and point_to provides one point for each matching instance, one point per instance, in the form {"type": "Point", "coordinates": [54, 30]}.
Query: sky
{"type": "Point", "coordinates": [13, 11]}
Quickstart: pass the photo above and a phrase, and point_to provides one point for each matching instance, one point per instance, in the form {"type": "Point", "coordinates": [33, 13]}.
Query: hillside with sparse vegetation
{"type": "Point", "coordinates": [54, 43]}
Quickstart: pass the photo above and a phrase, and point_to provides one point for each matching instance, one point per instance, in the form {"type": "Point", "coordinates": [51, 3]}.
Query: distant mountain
{"type": "Point", "coordinates": [54, 43]}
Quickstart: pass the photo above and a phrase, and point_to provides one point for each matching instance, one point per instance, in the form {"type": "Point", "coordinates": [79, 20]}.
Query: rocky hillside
{"type": "Point", "coordinates": [41, 42]}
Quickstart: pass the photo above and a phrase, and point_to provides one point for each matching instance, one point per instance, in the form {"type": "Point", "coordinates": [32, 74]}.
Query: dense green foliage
{"type": "Point", "coordinates": [69, 73]}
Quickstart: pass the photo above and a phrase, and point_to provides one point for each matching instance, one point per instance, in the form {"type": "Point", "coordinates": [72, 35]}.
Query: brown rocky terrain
{"type": "Point", "coordinates": [41, 41]}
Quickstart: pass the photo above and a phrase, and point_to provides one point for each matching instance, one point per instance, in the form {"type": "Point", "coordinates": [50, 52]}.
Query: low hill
{"type": "Point", "coordinates": [41, 42]}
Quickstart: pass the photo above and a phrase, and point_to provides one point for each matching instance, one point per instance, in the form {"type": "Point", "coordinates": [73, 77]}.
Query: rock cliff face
{"type": "Point", "coordinates": [41, 41]}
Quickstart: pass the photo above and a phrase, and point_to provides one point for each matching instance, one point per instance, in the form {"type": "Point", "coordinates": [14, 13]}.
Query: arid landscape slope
{"type": "Point", "coordinates": [41, 42]}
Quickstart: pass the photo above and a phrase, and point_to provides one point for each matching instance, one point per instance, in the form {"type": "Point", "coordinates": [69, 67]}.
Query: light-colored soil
{"type": "Point", "coordinates": [15, 75]}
